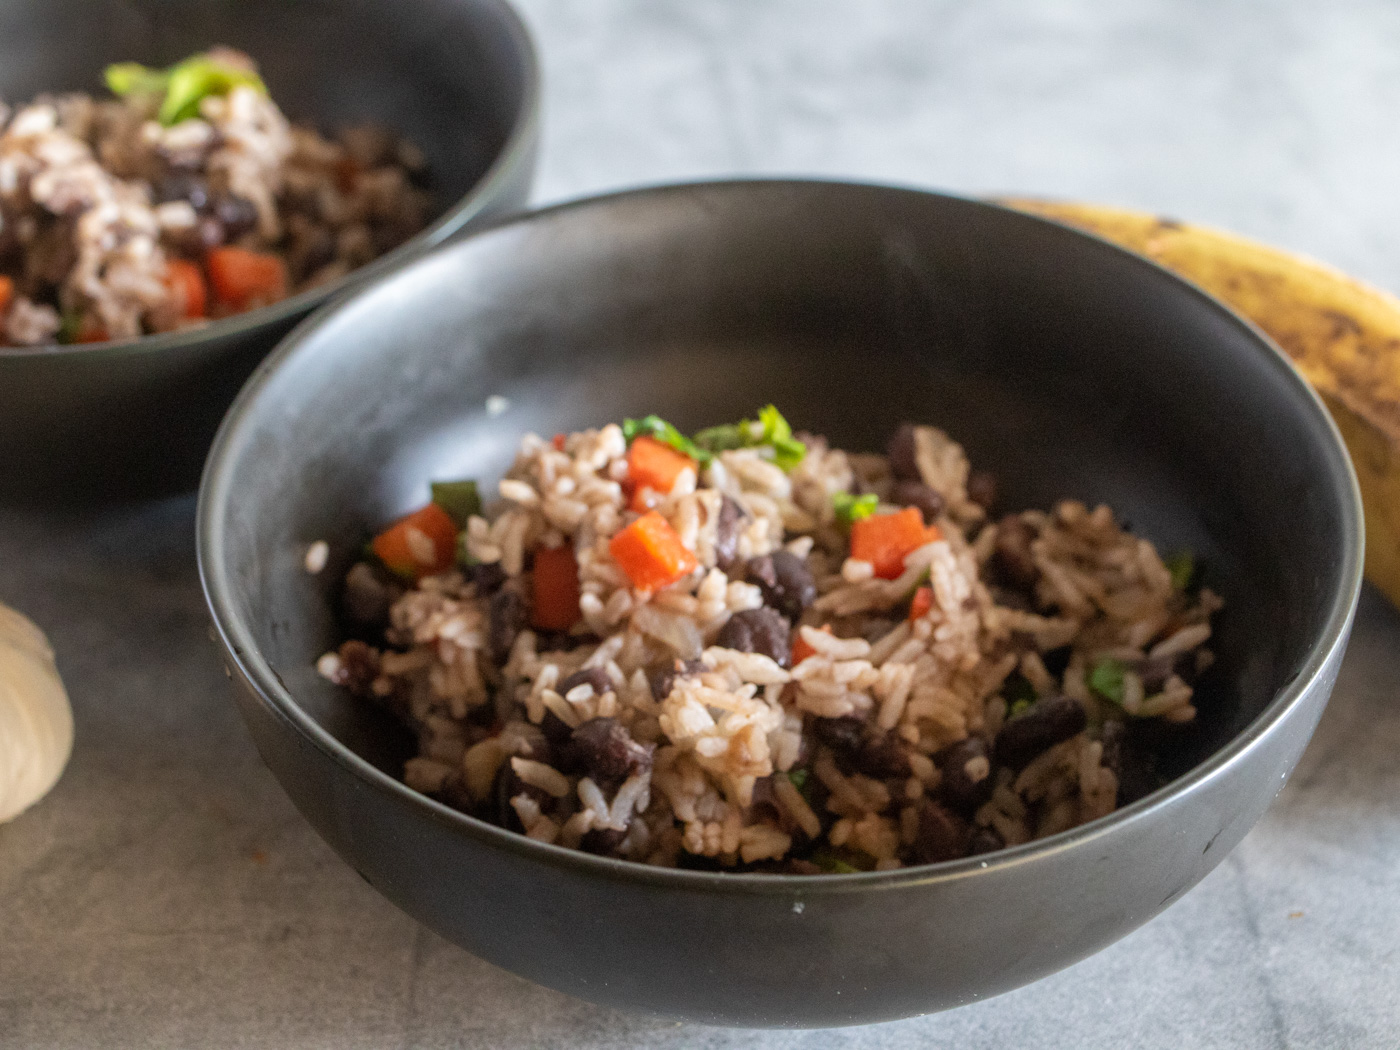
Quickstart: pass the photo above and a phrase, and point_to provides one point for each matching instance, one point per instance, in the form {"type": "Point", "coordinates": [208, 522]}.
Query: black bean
{"type": "Point", "coordinates": [1044, 724]}
{"type": "Point", "coordinates": [984, 840]}
{"type": "Point", "coordinates": [844, 735]}
{"type": "Point", "coordinates": [942, 835]}
{"type": "Point", "coordinates": [785, 582]}
{"type": "Point", "coordinates": [909, 493]}
{"type": "Point", "coordinates": [982, 489]}
{"type": "Point", "coordinates": [1013, 558]}
{"type": "Point", "coordinates": [368, 594]}
{"type": "Point", "coordinates": [556, 731]}
{"type": "Point", "coordinates": [183, 186]}
{"type": "Point", "coordinates": [900, 450]}
{"type": "Point", "coordinates": [603, 750]}
{"type": "Point", "coordinates": [762, 631]}
{"type": "Point", "coordinates": [488, 577]}
{"type": "Point", "coordinates": [509, 616]}
{"type": "Point", "coordinates": [662, 677]}
{"type": "Point", "coordinates": [883, 757]}
{"type": "Point", "coordinates": [594, 676]}
{"type": "Point", "coordinates": [958, 788]}
{"type": "Point", "coordinates": [764, 805]}
{"type": "Point", "coordinates": [238, 214]}
{"type": "Point", "coordinates": [359, 666]}
{"type": "Point", "coordinates": [727, 532]}
{"type": "Point", "coordinates": [1056, 660]}
{"type": "Point", "coordinates": [602, 841]}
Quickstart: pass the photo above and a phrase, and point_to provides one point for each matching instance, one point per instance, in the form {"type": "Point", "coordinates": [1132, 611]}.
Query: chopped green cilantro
{"type": "Point", "coordinates": [798, 778]}
{"type": "Point", "coordinates": [769, 431]}
{"type": "Point", "coordinates": [851, 508]}
{"type": "Point", "coordinates": [184, 85]}
{"type": "Point", "coordinates": [1106, 679]}
{"type": "Point", "coordinates": [655, 427]}
{"type": "Point", "coordinates": [777, 434]}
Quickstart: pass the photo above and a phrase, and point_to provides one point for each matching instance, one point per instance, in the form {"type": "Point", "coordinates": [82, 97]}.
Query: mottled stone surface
{"type": "Point", "coordinates": [167, 894]}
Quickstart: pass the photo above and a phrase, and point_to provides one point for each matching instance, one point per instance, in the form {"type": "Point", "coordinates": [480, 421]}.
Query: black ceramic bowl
{"type": "Point", "coordinates": [458, 77]}
{"type": "Point", "coordinates": [1067, 366]}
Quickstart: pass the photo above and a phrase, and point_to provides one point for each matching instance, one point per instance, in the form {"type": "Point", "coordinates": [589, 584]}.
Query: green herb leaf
{"type": "Point", "coordinates": [851, 509]}
{"type": "Point", "coordinates": [1018, 692]}
{"type": "Point", "coordinates": [1106, 679]}
{"type": "Point", "coordinates": [460, 499]}
{"type": "Point", "coordinates": [770, 430]}
{"type": "Point", "coordinates": [798, 778]}
{"type": "Point", "coordinates": [658, 428]}
{"type": "Point", "coordinates": [184, 85]}
{"type": "Point", "coordinates": [198, 77]}
{"type": "Point", "coordinates": [787, 450]}
{"type": "Point", "coordinates": [724, 437]}
{"type": "Point", "coordinates": [132, 78]}
{"type": "Point", "coordinates": [1020, 707]}
{"type": "Point", "coordinates": [1182, 566]}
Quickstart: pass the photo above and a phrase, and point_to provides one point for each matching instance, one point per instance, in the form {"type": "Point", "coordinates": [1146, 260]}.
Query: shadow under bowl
{"type": "Point", "coordinates": [1068, 367]}
{"type": "Point", "coordinates": [457, 77]}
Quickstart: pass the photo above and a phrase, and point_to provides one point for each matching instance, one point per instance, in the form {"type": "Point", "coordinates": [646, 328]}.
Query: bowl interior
{"type": "Point", "coordinates": [437, 71]}
{"type": "Point", "coordinates": [1065, 366]}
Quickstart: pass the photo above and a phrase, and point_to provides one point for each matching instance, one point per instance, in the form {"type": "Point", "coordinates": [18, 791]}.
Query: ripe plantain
{"type": "Point", "coordinates": [1344, 337]}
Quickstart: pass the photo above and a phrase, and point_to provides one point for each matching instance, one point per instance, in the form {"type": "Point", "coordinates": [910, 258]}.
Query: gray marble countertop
{"type": "Point", "coordinates": [168, 895]}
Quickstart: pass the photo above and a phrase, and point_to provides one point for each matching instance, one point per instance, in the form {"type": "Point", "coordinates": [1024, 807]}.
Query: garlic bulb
{"type": "Point", "coordinates": [36, 723]}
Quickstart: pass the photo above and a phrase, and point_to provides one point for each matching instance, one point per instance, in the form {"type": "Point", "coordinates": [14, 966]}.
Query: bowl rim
{"type": "Point", "coordinates": [244, 655]}
{"type": "Point", "coordinates": [515, 150]}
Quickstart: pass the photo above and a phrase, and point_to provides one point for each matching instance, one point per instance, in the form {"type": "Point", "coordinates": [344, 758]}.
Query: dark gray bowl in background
{"type": "Point", "coordinates": [1067, 366]}
{"type": "Point", "coordinates": [458, 77]}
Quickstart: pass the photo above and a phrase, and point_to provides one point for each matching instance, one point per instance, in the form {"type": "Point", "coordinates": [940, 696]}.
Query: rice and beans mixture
{"type": "Point", "coordinates": [185, 197]}
{"type": "Point", "coordinates": [752, 651]}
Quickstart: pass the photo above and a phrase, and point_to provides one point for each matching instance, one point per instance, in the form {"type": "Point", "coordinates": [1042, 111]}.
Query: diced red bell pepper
{"type": "Point", "coordinates": [885, 540]}
{"type": "Point", "coordinates": [555, 589]}
{"type": "Point", "coordinates": [423, 543]}
{"type": "Point", "coordinates": [651, 553]}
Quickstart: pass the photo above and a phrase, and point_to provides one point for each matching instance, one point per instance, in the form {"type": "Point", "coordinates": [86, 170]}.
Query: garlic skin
{"type": "Point", "coordinates": [36, 722]}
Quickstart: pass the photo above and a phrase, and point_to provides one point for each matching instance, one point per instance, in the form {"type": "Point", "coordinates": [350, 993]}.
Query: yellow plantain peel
{"type": "Point", "coordinates": [1344, 336]}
